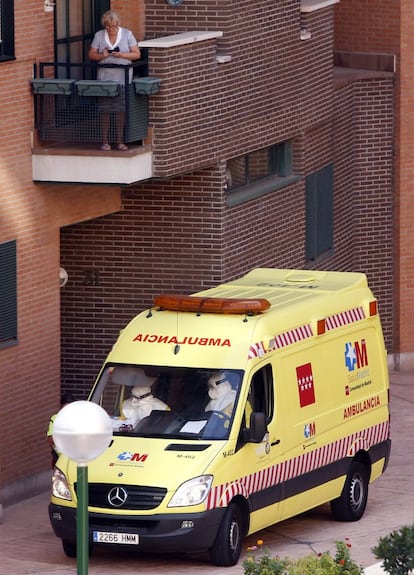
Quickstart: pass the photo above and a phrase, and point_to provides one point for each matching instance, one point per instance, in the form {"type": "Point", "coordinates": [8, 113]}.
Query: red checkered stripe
{"type": "Point", "coordinates": [345, 317]}
{"type": "Point", "coordinates": [257, 350]}
{"type": "Point", "coordinates": [283, 339]}
{"type": "Point", "coordinates": [221, 495]}
{"type": "Point", "coordinates": [303, 332]}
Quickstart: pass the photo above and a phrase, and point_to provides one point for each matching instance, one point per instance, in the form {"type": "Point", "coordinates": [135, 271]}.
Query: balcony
{"type": "Point", "coordinates": [73, 110]}
{"type": "Point", "coordinates": [167, 133]}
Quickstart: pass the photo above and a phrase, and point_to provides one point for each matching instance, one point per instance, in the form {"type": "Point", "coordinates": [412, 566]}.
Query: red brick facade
{"type": "Point", "coordinates": [359, 27]}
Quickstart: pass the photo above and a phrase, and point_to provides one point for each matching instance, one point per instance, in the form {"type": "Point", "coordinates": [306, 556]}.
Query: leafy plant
{"type": "Point", "coordinates": [312, 564]}
{"type": "Point", "coordinates": [397, 551]}
{"type": "Point", "coordinates": [264, 565]}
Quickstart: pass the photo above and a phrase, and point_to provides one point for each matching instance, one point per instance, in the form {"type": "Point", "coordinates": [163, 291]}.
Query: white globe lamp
{"type": "Point", "coordinates": [82, 430]}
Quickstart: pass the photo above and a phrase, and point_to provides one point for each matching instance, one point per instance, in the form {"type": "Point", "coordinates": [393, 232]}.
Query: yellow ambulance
{"type": "Point", "coordinates": [233, 409]}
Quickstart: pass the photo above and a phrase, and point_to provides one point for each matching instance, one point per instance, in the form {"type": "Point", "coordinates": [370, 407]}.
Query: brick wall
{"type": "Point", "coordinates": [368, 25]}
{"type": "Point", "coordinates": [380, 26]}
{"type": "Point", "coordinates": [132, 15]}
{"type": "Point", "coordinates": [275, 85]}
{"type": "Point", "coordinates": [404, 177]}
{"type": "Point", "coordinates": [363, 143]}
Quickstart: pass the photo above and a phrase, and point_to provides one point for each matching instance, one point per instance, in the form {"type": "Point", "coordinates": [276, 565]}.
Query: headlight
{"type": "Point", "coordinates": [60, 488]}
{"type": "Point", "coordinates": [192, 492]}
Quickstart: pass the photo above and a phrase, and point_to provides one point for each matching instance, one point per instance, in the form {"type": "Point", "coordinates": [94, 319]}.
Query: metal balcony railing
{"type": "Point", "coordinates": [73, 106]}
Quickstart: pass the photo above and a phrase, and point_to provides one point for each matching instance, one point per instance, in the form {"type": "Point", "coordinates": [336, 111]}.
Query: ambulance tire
{"type": "Point", "coordinates": [228, 543]}
{"type": "Point", "coordinates": [69, 547]}
{"type": "Point", "coordinates": [351, 504]}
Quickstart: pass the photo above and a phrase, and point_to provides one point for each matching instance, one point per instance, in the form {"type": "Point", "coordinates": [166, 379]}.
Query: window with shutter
{"type": "Point", "coordinates": [319, 213]}
{"type": "Point", "coordinates": [8, 294]}
{"type": "Point", "coordinates": [6, 30]}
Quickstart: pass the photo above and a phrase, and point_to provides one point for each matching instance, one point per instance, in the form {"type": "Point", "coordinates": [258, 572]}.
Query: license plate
{"type": "Point", "coordinates": [117, 538]}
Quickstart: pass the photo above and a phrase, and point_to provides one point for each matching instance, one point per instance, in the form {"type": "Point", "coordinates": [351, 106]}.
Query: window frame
{"type": "Point", "coordinates": [280, 174]}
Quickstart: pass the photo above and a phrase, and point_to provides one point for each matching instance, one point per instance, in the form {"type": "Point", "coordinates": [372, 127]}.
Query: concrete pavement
{"type": "Point", "coordinates": [29, 547]}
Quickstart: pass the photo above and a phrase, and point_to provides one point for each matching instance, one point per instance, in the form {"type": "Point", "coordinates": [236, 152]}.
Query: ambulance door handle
{"type": "Point", "coordinates": [275, 442]}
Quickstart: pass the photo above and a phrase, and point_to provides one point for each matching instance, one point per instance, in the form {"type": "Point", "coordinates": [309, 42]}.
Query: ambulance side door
{"type": "Point", "coordinates": [260, 451]}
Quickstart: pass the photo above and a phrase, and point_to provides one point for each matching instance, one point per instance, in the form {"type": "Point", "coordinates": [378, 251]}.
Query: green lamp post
{"type": "Point", "coordinates": [82, 431]}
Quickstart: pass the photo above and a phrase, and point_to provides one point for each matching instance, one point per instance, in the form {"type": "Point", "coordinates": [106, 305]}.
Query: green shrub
{"type": "Point", "coordinates": [312, 564]}
{"type": "Point", "coordinates": [397, 551]}
{"type": "Point", "coordinates": [264, 565]}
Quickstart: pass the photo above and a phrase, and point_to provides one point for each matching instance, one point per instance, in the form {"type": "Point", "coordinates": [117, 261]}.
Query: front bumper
{"type": "Point", "coordinates": [175, 532]}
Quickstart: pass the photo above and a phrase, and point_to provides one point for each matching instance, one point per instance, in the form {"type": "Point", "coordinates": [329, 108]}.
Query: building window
{"type": "Point", "coordinates": [6, 30]}
{"type": "Point", "coordinates": [8, 294]}
{"type": "Point", "coordinates": [260, 164]}
{"type": "Point", "coordinates": [76, 23]}
{"type": "Point", "coordinates": [319, 213]}
{"type": "Point", "coordinates": [259, 173]}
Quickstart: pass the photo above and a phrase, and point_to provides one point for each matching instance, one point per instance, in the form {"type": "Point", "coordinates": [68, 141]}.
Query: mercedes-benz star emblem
{"type": "Point", "coordinates": [117, 496]}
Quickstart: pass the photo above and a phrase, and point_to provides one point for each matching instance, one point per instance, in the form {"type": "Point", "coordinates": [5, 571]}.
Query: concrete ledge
{"type": "Point", "coordinates": [366, 61]}
{"type": "Point", "coordinates": [312, 5]}
{"type": "Point", "coordinates": [100, 168]}
{"type": "Point", "coordinates": [180, 39]}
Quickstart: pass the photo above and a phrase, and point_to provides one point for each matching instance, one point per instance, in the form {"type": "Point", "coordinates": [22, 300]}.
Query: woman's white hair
{"type": "Point", "coordinates": [110, 16]}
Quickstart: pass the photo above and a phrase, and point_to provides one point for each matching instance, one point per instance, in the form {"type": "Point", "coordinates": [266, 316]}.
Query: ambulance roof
{"type": "Point", "coordinates": [299, 301]}
{"type": "Point", "coordinates": [282, 287]}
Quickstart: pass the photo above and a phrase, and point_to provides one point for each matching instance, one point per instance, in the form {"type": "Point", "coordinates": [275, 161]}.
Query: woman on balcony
{"type": "Point", "coordinates": [115, 46]}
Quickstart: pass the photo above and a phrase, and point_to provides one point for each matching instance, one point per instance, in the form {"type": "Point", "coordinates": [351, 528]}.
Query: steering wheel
{"type": "Point", "coordinates": [217, 425]}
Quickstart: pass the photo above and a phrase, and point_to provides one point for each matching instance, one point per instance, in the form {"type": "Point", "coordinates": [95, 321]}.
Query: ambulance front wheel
{"type": "Point", "coordinates": [69, 547]}
{"type": "Point", "coordinates": [351, 504]}
{"type": "Point", "coordinates": [227, 545]}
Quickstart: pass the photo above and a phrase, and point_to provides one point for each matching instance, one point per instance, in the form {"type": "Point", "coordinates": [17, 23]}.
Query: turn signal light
{"type": "Point", "coordinates": [320, 326]}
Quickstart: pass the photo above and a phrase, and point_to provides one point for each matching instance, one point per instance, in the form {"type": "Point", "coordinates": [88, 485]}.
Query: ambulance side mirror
{"type": "Point", "coordinates": [258, 427]}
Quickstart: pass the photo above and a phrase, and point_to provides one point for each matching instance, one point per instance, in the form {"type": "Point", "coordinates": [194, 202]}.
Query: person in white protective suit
{"type": "Point", "coordinates": [142, 402]}
{"type": "Point", "coordinates": [221, 393]}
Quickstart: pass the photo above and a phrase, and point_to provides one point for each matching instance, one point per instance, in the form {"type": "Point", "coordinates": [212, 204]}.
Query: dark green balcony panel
{"type": "Point", "coordinates": [97, 88]}
{"type": "Point", "coordinates": [147, 85]}
{"type": "Point", "coordinates": [52, 86]}
{"type": "Point", "coordinates": [136, 126]}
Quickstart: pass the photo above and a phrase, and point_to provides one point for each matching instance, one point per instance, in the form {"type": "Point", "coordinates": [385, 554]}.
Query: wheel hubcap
{"type": "Point", "coordinates": [234, 536]}
{"type": "Point", "coordinates": [356, 492]}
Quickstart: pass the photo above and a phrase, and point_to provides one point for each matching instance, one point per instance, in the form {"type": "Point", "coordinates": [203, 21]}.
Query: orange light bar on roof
{"type": "Point", "coordinates": [373, 310]}
{"type": "Point", "coordinates": [178, 302]}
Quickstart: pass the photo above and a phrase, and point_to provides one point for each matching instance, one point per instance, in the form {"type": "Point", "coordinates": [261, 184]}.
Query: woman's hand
{"type": "Point", "coordinates": [134, 54]}
{"type": "Point", "coordinates": [96, 56]}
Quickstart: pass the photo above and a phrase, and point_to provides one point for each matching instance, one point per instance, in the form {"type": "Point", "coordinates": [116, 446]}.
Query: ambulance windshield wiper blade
{"type": "Point", "coordinates": [159, 435]}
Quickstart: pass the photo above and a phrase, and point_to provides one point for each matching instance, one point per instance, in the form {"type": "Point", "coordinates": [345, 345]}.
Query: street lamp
{"type": "Point", "coordinates": [82, 430]}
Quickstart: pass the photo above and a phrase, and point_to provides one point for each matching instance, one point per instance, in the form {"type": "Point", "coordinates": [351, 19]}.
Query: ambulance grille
{"type": "Point", "coordinates": [133, 497]}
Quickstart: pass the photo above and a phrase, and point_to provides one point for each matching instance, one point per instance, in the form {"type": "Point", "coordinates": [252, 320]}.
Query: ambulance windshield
{"type": "Point", "coordinates": [169, 402]}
